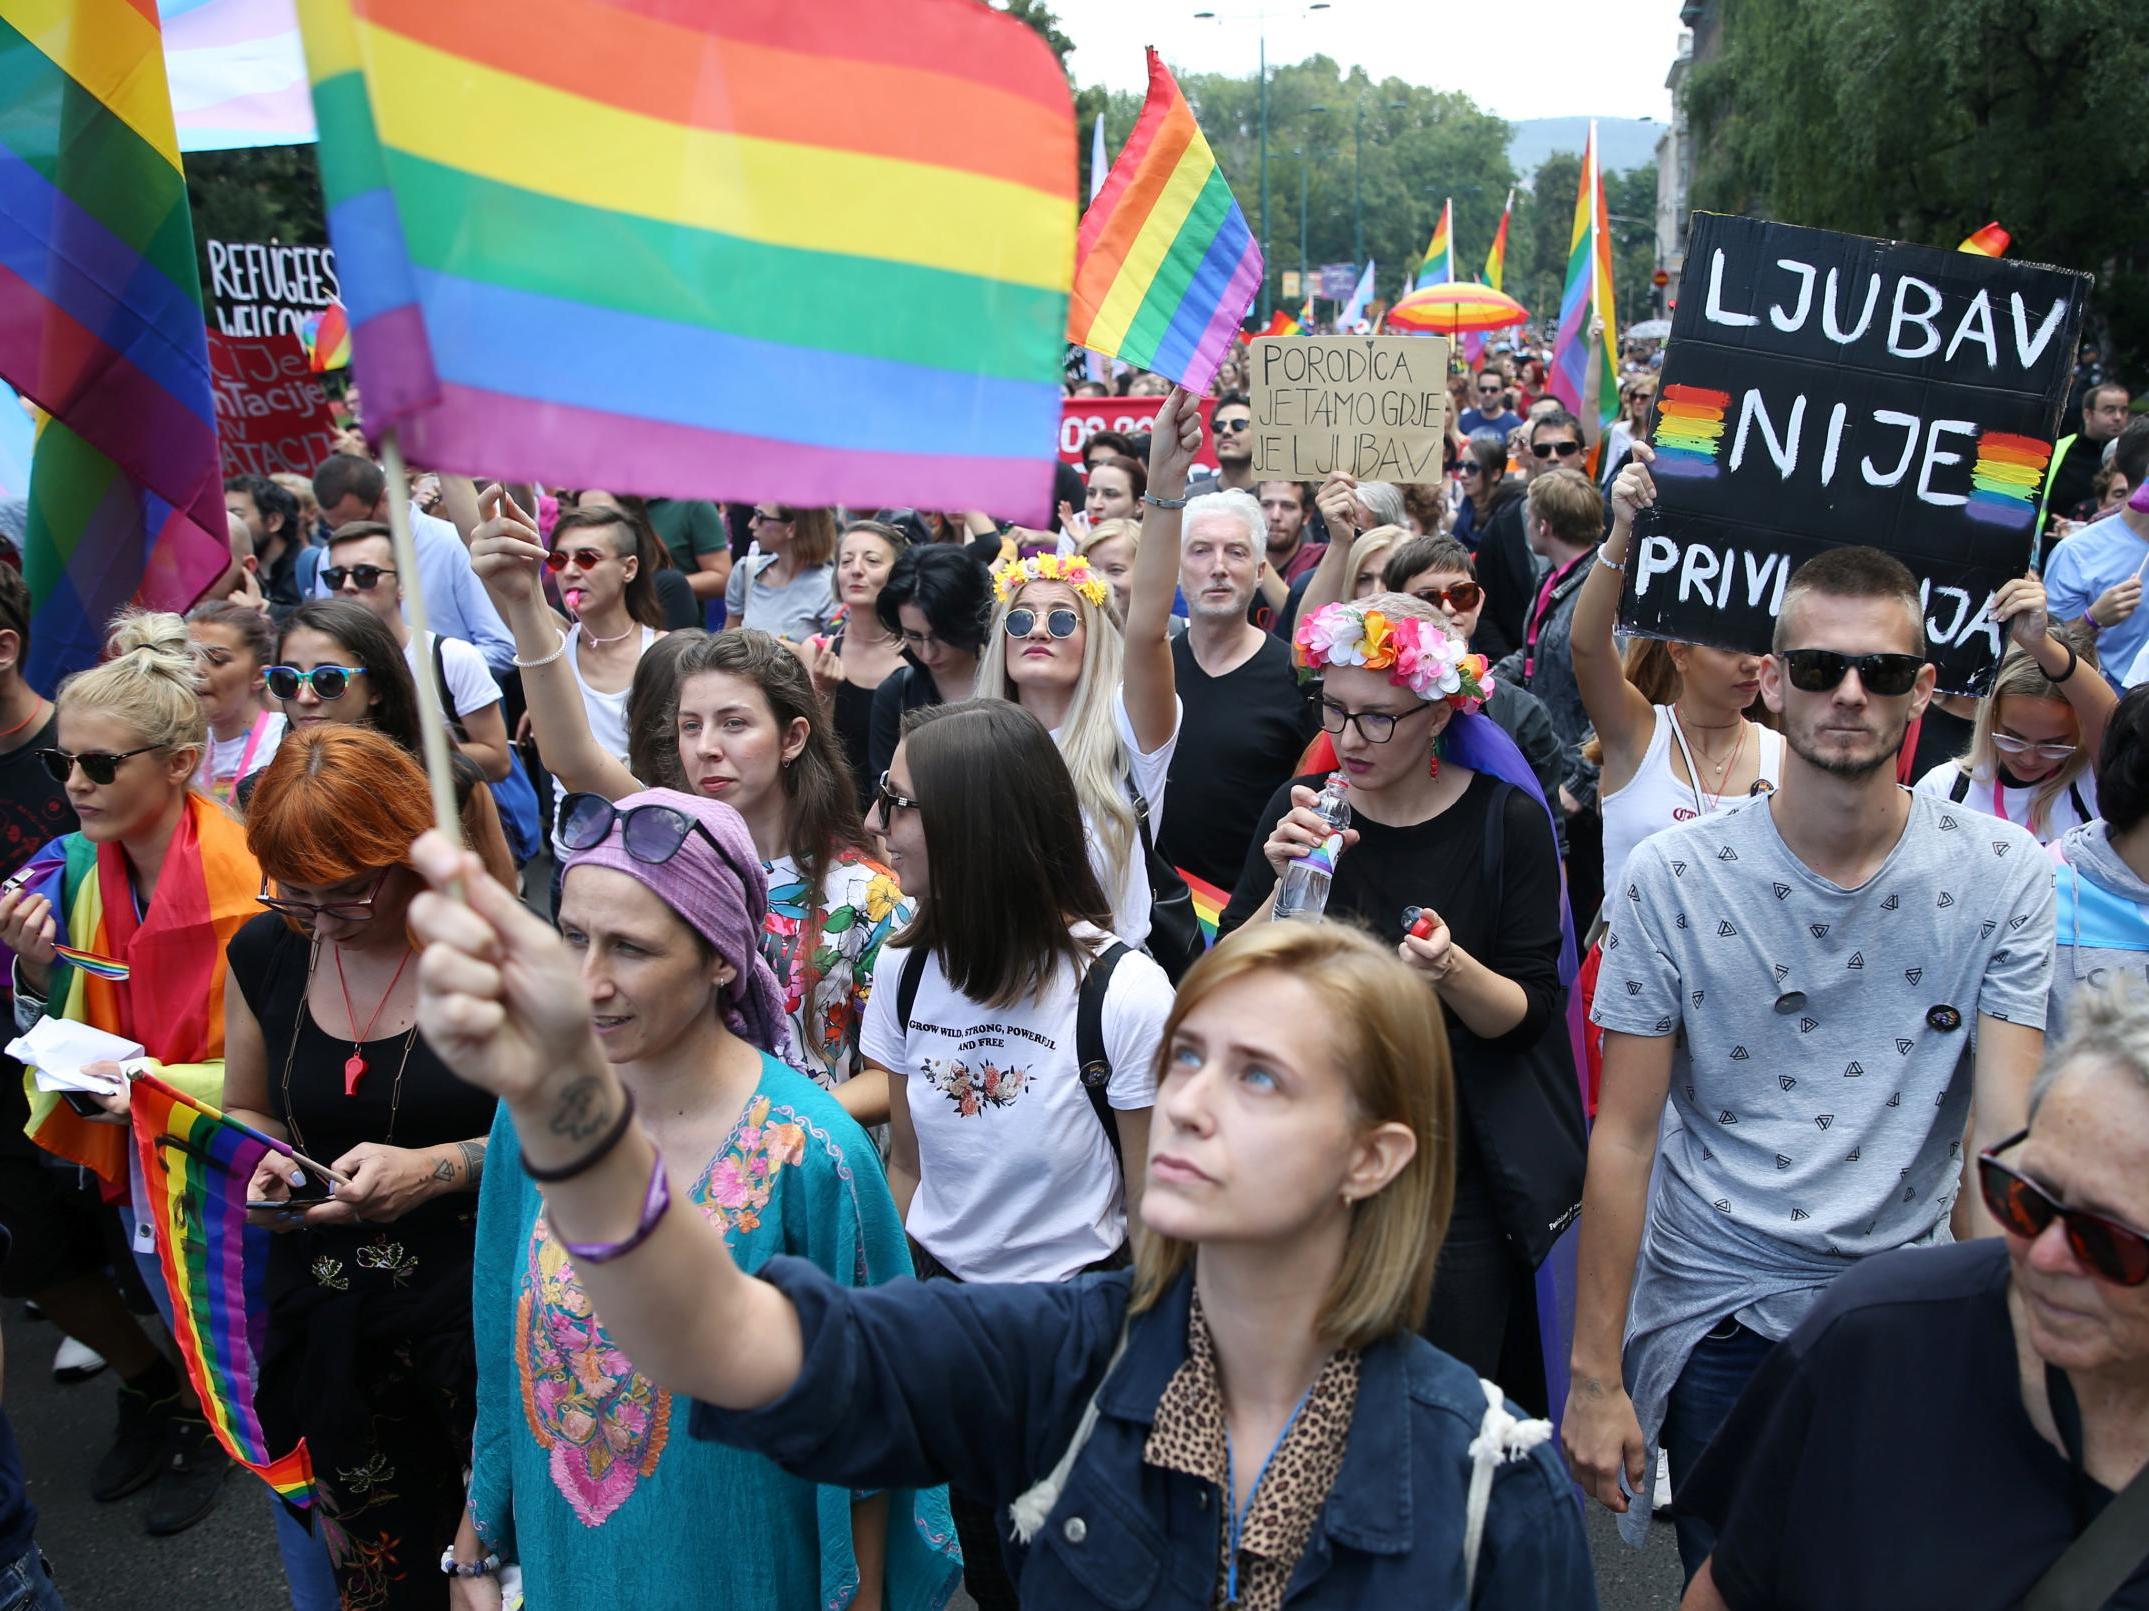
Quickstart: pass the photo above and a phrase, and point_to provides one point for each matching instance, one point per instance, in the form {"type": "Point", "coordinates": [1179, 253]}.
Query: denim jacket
{"type": "Point", "coordinates": [914, 1383]}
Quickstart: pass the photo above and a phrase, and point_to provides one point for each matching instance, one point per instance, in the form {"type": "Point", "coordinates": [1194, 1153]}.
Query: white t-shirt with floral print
{"type": "Point", "coordinates": [825, 991]}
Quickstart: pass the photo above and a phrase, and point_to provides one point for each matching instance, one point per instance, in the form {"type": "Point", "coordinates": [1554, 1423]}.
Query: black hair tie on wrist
{"type": "Point", "coordinates": [2073, 660]}
{"type": "Point", "coordinates": [595, 1156]}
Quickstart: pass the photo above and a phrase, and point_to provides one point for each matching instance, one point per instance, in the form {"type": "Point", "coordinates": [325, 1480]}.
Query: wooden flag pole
{"type": "Point", "coordinates": [432, 719]}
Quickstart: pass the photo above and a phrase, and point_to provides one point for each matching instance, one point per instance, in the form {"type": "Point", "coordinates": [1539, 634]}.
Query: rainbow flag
{"type": "Point", "coordinates": [1991, 241]}
{"type": "Point", "coordinates": [705, 251]}
{"type": "Point", "coordinates": [1282, 324]}
{"type": "Point", "coordinates": [101, 324]}
{"type": "Point", "coordinates": [238, 74]}
{"type": "Point", "coordinates": [1496, 259]}
{"type": "Point", "coordinates": [1165, 267]}
{"type": "Point", "coordinates": [1588, 294]}
{"type": "Point", "coordinates": [194, 1172]}
{"type": "Point", "coordinates": [326, 336]}
{"type": "Point", "coordinates": [1438, 268]}
{"type": "Point", "coordinates": [1209, 904]}
{"type": "Point", "coordinates": [91, 963]}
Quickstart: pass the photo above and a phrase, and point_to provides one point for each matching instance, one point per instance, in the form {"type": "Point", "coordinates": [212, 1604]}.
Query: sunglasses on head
{"type": "Point", "coordinates": [1816, 671]}
{"type": "Point", "coordinates": [327, 682]}
{"type": "Point", "coordinates": [652, 833]}
{"type": "Point", "coordinates": [1060, 622]}
{"type": "Point", "coordinates": [1545, 450]}
{"type": "Point", "coordinates": [587, 559]}
{"type": "Point", "coordinates": [1455, 596]}
{"type": "Point", "coordinates": [2107, 1249]}
{"type": "Point", "coordinates": [368, 577]}
{"type": "Point", "coordinates": [99, 766]}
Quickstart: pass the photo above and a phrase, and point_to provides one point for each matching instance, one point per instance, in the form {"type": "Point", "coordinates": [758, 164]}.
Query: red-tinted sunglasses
{"type": "Point", "coordinates": [586, 558]}
{"type": "Point", "coordinates": [1455, 596]}
{"type": "Point", "coordinates": [2109, 1250]}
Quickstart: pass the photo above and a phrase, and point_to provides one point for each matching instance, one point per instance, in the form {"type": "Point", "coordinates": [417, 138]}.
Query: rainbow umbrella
{"type": "Point", "coordinates": [1459, 308]}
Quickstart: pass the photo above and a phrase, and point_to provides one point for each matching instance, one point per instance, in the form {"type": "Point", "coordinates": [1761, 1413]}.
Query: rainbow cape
{"type": "Point", "coordinates": [1588, 294]}
{"type": "Point", "coordinates": [101, 325]}
{"type": "Point", "coordinates": [195, 1169]}
{"type": "Point", "coordinates": [1165, 267]}
{"type": "Point", "coordinates": [172, 998]}
{"type": "Point", "coordinates": [1438, 266]}
{"type": "Point", "coordinates": [1496, 259]}
{"type": "Point", "coordinates": [815, 251]}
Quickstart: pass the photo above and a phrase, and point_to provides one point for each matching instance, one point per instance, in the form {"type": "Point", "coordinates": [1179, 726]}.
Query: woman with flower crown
{"type": "Point", "coordinates": [1451, 857]}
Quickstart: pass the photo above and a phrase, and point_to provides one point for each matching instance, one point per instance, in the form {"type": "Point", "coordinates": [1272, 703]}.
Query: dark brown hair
{"type": "Point", "coordinates": [636, 542]}
{"type": "Point", "coordinates": [1422, 554]}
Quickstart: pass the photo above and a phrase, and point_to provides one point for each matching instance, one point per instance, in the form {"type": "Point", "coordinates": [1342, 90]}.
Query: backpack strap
{"type": "Point", "coordinates": [906, 987]}
{"type": "Point", "coordinates": [1959, 790]}
{"type": "Point", "coordinates": [1092, 1059]}
{"type": "Point", "coordinates": [440, 681]}
{"type": "Point", "coordinates": [2081, 807]}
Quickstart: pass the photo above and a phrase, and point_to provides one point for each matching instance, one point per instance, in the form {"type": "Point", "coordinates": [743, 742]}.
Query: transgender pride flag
{"type": "Point", "coordinates": [238, 76]}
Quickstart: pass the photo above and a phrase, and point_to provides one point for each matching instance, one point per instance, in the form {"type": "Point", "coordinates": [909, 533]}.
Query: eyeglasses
{"type": "Point", "coordinates": [368, 577]}
{"type": "Point", "coordinates": [1545, 450]}
{"type": "Point", "coordinates": [587, 559]}
{"type": "Point", "coordinates": [1455, 596]}
{"type": "Point", "coordinates": [328, 682]}
{"type": "Point", "coordinates": [2109, 1250]}
{"type": "Point", "coordinates": [356, 911]}
{"type": "Point", "coordinates": [1061, 623]}
{"type": "Point", "coordinates": [1374, 726]}
{"type": "Point", "coordinates": [890, 801]}
{"type": "Point", "coordinates": [763, 518]}
{"type": "Point", "coordinates": [1234, 426]}
{"type": "Point", "coordinates": [652, 833]}
{"type": "Point", "coordinates": [1815, 671]}
{"type": "Point", "coordinates": [921, 641]}
{"type": "Point", "coordinates": [2008, 744]}
{"type": "Point", "coordinates": [99, 766]}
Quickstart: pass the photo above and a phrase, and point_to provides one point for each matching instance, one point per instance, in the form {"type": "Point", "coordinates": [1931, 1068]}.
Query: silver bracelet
{"type": "Point", "coordinates": [1164, 503]}
{"type": "Point", "coordinates": [558, 649]}
{"type": "Point", "coordinates": [1618, 565]}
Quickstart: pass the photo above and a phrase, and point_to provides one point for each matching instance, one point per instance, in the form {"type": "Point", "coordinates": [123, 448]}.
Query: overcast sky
{"type": "Point", "coordinates": [1547, 58]}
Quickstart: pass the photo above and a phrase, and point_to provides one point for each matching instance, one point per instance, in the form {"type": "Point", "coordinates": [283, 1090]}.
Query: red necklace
{"type": "Point", "coordinates": [354, 1066]}
{"type": "Point", "coordinates": [36, 711]}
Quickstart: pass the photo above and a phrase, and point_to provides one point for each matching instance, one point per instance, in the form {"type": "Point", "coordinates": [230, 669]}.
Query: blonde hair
{"type": "Point", "coordinates": [150, 677]}
{"type": "Point", "coordinates": [1363, 549]}
{"type": "Point", "coordinates": [2021, 676]}
{"type": "Point", "coordinates": [1105, 530]}
{"type": "Point", "coordinates": [1089, 737]}
{"type": "Point", "coordinates": [1389, 1042]}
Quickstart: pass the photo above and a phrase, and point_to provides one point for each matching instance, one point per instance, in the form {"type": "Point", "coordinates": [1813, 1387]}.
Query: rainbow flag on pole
{"type": "Point", "coordinates": [1438, 268]}
{"type": "Point", "coordinates": [1588, 294]}
{"type": "Point", "coordinates": [815, 252]}
{"type": "Point", "coordinates": [101, 324]}
{"type": "Point", "coordinates": [195, 1168]}
{"type": "Point", "coordinates": [1990, 241]}
{"type": "Point", "coordinates": [1165, 267]}
{"type": "Point", "coordinates": [1496, 259]}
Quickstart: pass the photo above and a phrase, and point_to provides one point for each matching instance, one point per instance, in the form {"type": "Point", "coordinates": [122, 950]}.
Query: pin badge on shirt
{"type": "Point", "coordinates": [1944, 1018]}
{"type": "Point", "coordinates": [1790, 1001]}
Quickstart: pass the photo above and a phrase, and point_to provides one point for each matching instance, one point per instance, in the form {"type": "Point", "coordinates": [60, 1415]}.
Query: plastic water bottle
{"type": "Point", "coordinates": [1306, 880]}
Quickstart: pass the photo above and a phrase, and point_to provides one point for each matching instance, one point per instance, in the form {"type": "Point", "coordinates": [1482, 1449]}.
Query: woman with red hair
{"type": "Point", "coordinates": [369, 1353]}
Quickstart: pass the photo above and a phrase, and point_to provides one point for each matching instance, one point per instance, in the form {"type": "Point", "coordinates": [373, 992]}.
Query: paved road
{"type": "Point", "coordinates": [105, 1562]}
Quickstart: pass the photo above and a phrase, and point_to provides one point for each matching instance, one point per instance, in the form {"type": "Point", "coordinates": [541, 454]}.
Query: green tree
{"type": "Point", "coordinates": [1036, 14]}
{"type": "Point", "coordinates": [263, 194]}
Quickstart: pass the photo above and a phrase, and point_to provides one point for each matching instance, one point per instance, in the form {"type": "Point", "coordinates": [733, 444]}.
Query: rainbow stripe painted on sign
{"type": "Point", "coordinates": [1689, 431]}
{"type": "Point", "coordinates": [1438, 267]}
{"type": "Point", "coordinates": [705, 251]}
{"type": "Point", "coordinates": [2006, 478]}
{"type": "Point", "coordinates": [194, 1172]}
{"type": "Point", "coordinates": [1165, 267]}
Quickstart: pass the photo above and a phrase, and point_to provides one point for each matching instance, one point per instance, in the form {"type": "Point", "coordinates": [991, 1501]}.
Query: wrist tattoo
{"type": "Point", "coordinates": [444, 1170]}
{"type": "Point", "coordinates": [577, 1117]}
{"type": "Point", "coordinates": [473, 1161]}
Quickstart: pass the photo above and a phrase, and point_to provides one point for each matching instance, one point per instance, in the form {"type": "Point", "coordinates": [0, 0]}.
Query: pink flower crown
{"type": "Point", "coordinates": [1071, 570]}
{"type": "Point", "coordinates": [1422, 656]}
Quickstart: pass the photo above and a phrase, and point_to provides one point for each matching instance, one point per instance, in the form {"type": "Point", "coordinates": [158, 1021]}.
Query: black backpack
{"type": "Point", "coordinates": [1959, 791]}
{"type": "Point", "coordinates": [1175, 940]}
{"type": "Point", "coordinates": [1091, 1058]}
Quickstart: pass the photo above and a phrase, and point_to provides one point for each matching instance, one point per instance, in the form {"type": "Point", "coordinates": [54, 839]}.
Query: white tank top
{"type": "Point", "coordinates": [1654, 798]}
{"type": "Point", "coordinates": [607, 717]}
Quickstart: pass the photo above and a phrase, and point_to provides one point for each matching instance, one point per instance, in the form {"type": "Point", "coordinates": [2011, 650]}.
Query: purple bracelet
{"type": "Point", "coordinates": [654, 1202]}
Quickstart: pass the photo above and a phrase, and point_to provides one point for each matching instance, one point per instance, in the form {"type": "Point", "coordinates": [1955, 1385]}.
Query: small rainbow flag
{"type": "Point", "coordinates": [326, 336]}
{"type": "Point", "coordinates": [1690, 429]}
{"type": "Point", "coordinates": [1282, 324]}
{"type": "Point", "coordinates": [195, 1168]}
{"type": "Point", "coordinates": [1496, 259]}
{"type": "Point", "coordinates": [1588, 293]}
{"type": "Point", "coordinates": [2007, 476]}
{"type": "Point", "coordinates": [1165, 267]}
{"type": "Point", "coordinates": [92, 964]}
{"type": "Point", "coordinates": [1209, 903]}
{"type": "Point", "coordinates": [1438, 267]}
{"type": "Point", "coordinates": [1991, 241]}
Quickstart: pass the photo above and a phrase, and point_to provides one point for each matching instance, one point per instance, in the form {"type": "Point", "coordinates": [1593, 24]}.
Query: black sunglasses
{"type": "Point", "coordinates": [368, 577]}
{"type": "Point", "coordinates": [1545, 450]}
{"type": "Point", "coordinates": [1815, 671]}
{"type": "Point", "coordinates": [1234, 425]}
{"type": "Point", "coordinates": [1060, 623]}
{"type": "Point", "coordinates": [327, 682]}
{"type": "Point", "coordinates": [652, 833]}
{"type": "Point", "coordinates": [890, 801]}
{"type": "Point", "coordinates": [99, 766]}
{"type": "Point", "coordinates": [2109, 1250]}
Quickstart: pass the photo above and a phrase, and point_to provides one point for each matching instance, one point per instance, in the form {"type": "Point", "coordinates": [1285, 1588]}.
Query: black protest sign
{"type": "Point", "coordinates": [1821, 390]}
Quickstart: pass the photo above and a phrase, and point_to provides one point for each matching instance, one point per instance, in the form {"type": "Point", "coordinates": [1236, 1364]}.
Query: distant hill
{"type": "Point", "coordinates": [1628, 142]}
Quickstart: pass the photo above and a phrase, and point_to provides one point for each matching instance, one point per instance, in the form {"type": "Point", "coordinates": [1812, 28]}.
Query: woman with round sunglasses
{"type": "Point", "coordinates": [235, 642]}
{"type": "Point", "coordinates": [368, 1354]}
{"type": "Point", "coordinates": [583, 1469]}
{"type": "Point", "coordinates": [1949, 1423]}
{"type": "Point", "coordinates": [1297, 1189]}
{"type": "Point", "coordinates": [1107, 697]}
{"type": "Point", "coordinates": [1451, 859]}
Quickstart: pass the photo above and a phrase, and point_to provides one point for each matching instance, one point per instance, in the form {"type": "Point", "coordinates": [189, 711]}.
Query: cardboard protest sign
{"type": "Point", "coordinates": [1080, 417]}
{"type": "Point", "coordinates": [1374, 406]}
{"type": "Point", "coordinates": [271, 411]}
{"type": "Point", "coordinates": [1822, 390]}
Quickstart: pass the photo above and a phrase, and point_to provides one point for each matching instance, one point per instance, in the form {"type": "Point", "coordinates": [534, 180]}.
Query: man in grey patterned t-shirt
{"type": "Point", "coordinates": [1799, 976]}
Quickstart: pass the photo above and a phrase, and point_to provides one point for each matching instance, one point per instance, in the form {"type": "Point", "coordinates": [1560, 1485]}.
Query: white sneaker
{"type": "Point", "coordinates": [75, 1362]}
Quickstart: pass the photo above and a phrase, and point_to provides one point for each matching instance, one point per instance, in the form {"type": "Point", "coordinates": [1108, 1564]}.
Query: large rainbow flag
{"type": "Point", "coordinates": [802, 250]}
{"type": "Point", "coordinates": [1496, 259]}
{"type": "Point", "coordinates": [195, 1168]}
{"type": "Point", "coordinates": [1438, 266]}
{"type": "Point", "coordinates": [1588, 294]}
{"type": "Point", "coordinates": [101, 323]}
{"type": "Point", "coordinates": [1165, 267]}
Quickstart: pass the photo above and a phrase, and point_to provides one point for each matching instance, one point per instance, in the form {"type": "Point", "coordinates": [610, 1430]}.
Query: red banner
{"type": "Point", "coordinates": [1081, 417]}
{"type": "Point", "coordinates": [271, 411]}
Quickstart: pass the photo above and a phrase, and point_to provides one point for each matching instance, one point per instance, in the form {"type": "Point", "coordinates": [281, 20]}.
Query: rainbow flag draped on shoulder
{"type": "Point", "coordinates": [195, 1168]}
{"type": "Point", "coordinates": [1165, 267]}
{"type": "Point", "coordinates": [804, 250]}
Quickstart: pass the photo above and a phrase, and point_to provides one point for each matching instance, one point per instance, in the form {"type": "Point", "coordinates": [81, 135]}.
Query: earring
{"type": "Point", "coordinates": [1432, 764]}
